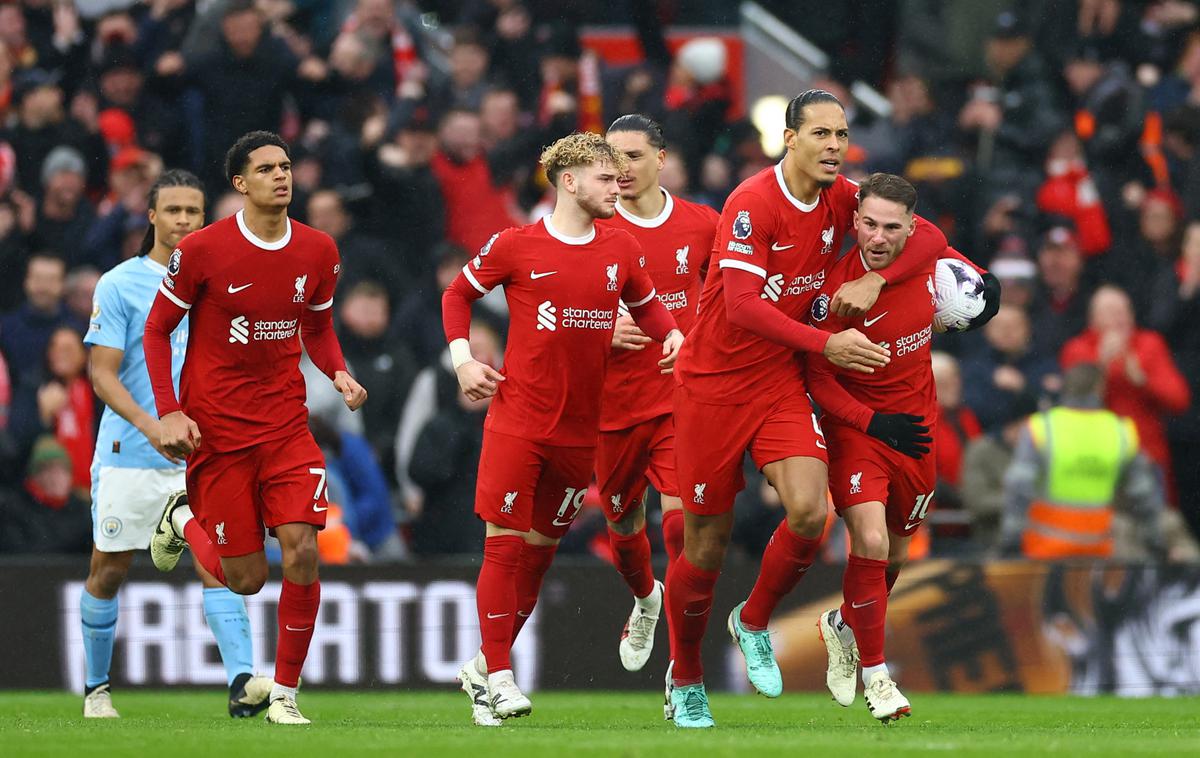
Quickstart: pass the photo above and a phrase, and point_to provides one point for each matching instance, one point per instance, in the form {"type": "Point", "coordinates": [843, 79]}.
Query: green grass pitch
{"type": "Point", "coordinates": [350, 724]}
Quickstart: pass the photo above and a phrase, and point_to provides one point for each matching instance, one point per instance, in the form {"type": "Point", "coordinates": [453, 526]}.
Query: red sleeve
{"type": "Point", "coordinates": [486, 270]}
{"type": "Point", "coordinates": [164, 316]}
{"type": "Point", "coordinates": [932, 245]}
{"type": "Point", "coordinates": [745, 233]}
{"type": "Point", "coordinates": [1165, 384]}
{"type": "Point", "coordinates": [950, 252]}
{"type": "Point", "coordinates": [638, 288]}
{"type": "Point", "coordinates": [330, 267]}
{"type": "Point", "coordinates": [831, 396]}
{"type": "Point", "coordinates": [746, 309]}
{"type": "Point", "coordinates": [653, 318]}
{"type": "Point", "coordinates": [321, 342]}
{"type": "Point", "coordinates": [1076, 351]}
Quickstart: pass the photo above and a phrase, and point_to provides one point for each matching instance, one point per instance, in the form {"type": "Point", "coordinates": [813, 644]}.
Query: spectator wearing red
{"type": "Point", "coordinates": [1141, 378]}
{"type": "Point", "coordinates": [475, 208]}
{"type": "Point", "coordinates": [1070, 192]}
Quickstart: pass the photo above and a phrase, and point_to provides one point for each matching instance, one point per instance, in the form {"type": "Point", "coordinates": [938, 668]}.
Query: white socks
{"type": "Point", "coordinates": [180, 517]}
{"type": "Point", "coordinates": [279, 691]}
{"type": "Point", "coordinates": [870, 671]}
{"type": "Point", "coordinates": [652, 602]}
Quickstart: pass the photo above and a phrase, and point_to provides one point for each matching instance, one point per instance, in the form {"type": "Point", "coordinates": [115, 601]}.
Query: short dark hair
{"type": "Point", "coordinates": [1082, 381]}
{"type": "Point", "coordinates": [239, 155]}
{"type": "Point", "coordinates": [794, 116]}
{"type": "Point", "coordinates": [175, 177]}
{"type": "Point", "coordinates": [889, 187]}
{"type": "Point", "coordinates": [636, 122]}
{"type": "Point", "coordinates": [46, 255]}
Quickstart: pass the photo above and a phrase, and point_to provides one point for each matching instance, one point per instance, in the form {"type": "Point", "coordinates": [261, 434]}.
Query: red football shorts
{"type": "Point", "coordinates": [235, 494]}
{"type": "Point", "coordinates": [629, 459]}
{"type": "Point", "coordinates": [864, 470]}
{"type": "Point", "coordinates": [710, 441]}
{"type": "Point", "coordinates": [525, 485]}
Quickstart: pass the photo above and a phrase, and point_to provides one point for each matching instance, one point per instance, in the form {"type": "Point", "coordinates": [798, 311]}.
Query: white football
{"type": "Point", "coordinates": [959, 294]}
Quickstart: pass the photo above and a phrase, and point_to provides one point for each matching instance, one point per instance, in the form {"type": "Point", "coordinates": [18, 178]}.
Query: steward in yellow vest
{"type": "Point", "coordinates": [1075, 466]}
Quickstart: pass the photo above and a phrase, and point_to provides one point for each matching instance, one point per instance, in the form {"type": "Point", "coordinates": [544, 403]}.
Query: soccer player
{"type": "Point", "coordinates": [637, 434]}
{"type": "Point", "coordinates": [251, 285]}
{"type": "Point", "coordinates": [132, 474]}
{"type": "Point", "coordinates": [563, 278]}
{"type": "Point", "coordinates": [740, 387]}
{"type": "Point", "coordinates": [879, 429]}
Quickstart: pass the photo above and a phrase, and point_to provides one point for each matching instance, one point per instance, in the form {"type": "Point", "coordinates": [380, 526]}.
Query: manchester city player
{"type": "Point", "coordinates": [132, 475]}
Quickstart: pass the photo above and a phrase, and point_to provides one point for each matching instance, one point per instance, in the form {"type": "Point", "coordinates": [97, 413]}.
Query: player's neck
{"type": "Point", "coordinates": [804, 188]}
{"type": "Point", "coordinates": [647, 205]}
{"type": "Point", "coordinates": [571, 220]}
{"type": "Point", "coordinates": [268, 224]}
{"type": "Point", "coordinates": [160, 253]}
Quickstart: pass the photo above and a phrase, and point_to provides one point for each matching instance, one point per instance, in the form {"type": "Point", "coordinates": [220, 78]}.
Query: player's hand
{"type": "Point", "coordinates": [671, 347]}
{"type": "Point", "coordinates": [852, 350]}
{"type": "Point", "coordinates": [627, 335]}
{"type": "Point", "coordinates": [352, 392]}
{"type": "Point", "coordinates": [478, 380]}
{"type": "Point", "coordinates": [902, 432]}
{"type": "Point", "coordinates": [857, 297]}
{"type": "Point", "coordinates": [152, 431]}
{"type": "Point", "coordinates": [179, 435]}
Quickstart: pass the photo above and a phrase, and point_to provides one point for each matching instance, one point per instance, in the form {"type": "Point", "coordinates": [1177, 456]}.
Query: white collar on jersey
{"type": "Point", "coordinates": [278, 244]}
{"type": "Point", "coordinates": [806, 207]}
{"type": "Point", "coordinates": [650, 223]}
{"type": "Point", "coordinates": [154, 265]}
{"type": "Point", "coordinates": [556, 234]}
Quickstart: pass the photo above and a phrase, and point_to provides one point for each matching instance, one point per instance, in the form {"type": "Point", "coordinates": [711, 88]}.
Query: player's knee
{"type": "Point", "coordinates": [807, 519]}
{"type": "Point", "coordinates": [247, 583]}
{"type": "Point", "coordinates": [302, 555]}
{"type": "Point", "coordinates": [872, 543]}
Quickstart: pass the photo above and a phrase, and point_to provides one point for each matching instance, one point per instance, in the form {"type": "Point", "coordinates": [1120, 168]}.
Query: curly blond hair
{"type": "Point", "coordinates": [580, 149]}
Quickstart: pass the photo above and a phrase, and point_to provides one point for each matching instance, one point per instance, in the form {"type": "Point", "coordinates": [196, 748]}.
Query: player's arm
{"type": "Point", "coordinates": [477, 379]}
{"type": "Point", "coordinates": [104, 365]}
{"type": "Point", "coordinates": [920, 255]}
{"type": "Point", "coordinates": [321, 342]}
{"type": "Point", "coordinates": [650, 315]}
{"type": "Point", "coordinates": [178, 435]}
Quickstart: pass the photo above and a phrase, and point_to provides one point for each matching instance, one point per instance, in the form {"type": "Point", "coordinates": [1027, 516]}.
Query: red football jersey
{"type": "Point", "coordinates": [676, 244]}
{"type": "Point", "coordinates": [901, 320]}
{"type": "Point", "coordinates": [763, 229]}
{"type": "Point", "coordinates": [241, 380]}
{"type": "Point", "coordinates": [562, 293]}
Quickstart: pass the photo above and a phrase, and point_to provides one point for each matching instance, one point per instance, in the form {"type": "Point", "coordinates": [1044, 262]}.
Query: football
{"type": "Point", "coordinates": [958, 293]}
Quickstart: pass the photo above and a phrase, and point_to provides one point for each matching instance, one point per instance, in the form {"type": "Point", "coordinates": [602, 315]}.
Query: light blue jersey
{"type": "Point", "coordinates": [123, 299]}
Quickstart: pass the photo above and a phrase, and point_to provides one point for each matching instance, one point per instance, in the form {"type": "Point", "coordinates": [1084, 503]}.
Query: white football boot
{"type": "Point", "coordinates": [637, 639]}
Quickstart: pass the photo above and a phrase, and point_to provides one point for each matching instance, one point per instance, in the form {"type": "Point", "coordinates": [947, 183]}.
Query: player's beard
{"type": "Point", "coordinates": [595, 207]}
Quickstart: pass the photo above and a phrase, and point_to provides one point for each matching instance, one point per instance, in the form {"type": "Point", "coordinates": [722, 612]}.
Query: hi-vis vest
{"type": "Point", "coordinates": [1085, 453]}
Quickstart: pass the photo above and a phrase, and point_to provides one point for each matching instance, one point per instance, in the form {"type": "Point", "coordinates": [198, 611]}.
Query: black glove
{"type": "Point", "coordinates": [991, 302]}
{"type": "Point", "coordinates": [902, 432]}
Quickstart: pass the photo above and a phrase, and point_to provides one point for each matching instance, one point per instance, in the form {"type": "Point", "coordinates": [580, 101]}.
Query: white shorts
{"type": "Point", "coordinates": [127, 504]}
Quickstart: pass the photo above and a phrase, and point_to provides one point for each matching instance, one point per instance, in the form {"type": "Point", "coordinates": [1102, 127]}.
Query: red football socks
{"type": "Point", "coordinates": [631, 554]}
{"type": "Point", "coordinates": [864, 606]}
{"type": "Point", "coordinates": [784, 562]}
{"type": "Point", "coordinates": [535, 562]}
{"type": "Point", "coordinates": [203, 548]}
{"type": "Point", "coordinates": [689, 602]}
{"type": "Point", "coordinates": [496, 598]}
{"type": "Point", "coordinates": [298, 605]}
{"type": "Point", "coordinates": [672, 529]}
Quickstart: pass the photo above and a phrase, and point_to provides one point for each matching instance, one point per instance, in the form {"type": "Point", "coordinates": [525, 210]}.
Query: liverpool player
{"type": "Point", "coordinates": [637, 434]}
{"type": "Point", "coordinates": [252, 285]}
{"type": "Point", "coordinates": [740, 388]}
{"type": "Point", "coordinates": [563, 278]}
{"type": "Point", "coordinates": [132, 476]}
{"type": "Point", "coordinates": [879, 428]}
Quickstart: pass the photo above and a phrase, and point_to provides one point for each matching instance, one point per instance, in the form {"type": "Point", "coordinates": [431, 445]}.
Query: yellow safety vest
{"type": "Point", "coordinates": [1085, 451]}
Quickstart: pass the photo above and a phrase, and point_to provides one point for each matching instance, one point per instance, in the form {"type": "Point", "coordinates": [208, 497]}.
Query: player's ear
{"type": "Point", "coordinates": [662, 158]}
{"type": "Point", "coordinates": [789, 138]}
{"type": "Point", "coordinates": [912, 225]}
{"type": "Point", "coordinates": [856, 220]}
{"type": "Point", "coordinates": [239, 184]}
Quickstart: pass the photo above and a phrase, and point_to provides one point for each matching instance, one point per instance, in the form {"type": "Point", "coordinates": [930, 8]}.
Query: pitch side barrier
{"type": "Point", "coordinates": [1005, 626]}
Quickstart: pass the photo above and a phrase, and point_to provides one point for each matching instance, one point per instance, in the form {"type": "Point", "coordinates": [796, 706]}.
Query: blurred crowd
{"type": "Point", "coordinates": [1055, 141]}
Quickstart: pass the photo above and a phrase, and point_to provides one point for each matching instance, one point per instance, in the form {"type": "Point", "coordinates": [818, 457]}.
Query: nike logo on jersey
{"type": "Point", "coordinates": [869, 321]}
{"type": "Point", "coordinates": [861, 605]}
{"type": "Point", "coordinates": [319, 509]}
{"type": "Point", "coordinates": [234, 290]}
{"type": "Point", "coordinates": [536, 275]}
{"type": "Point", "coordinates": [779, 248]}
